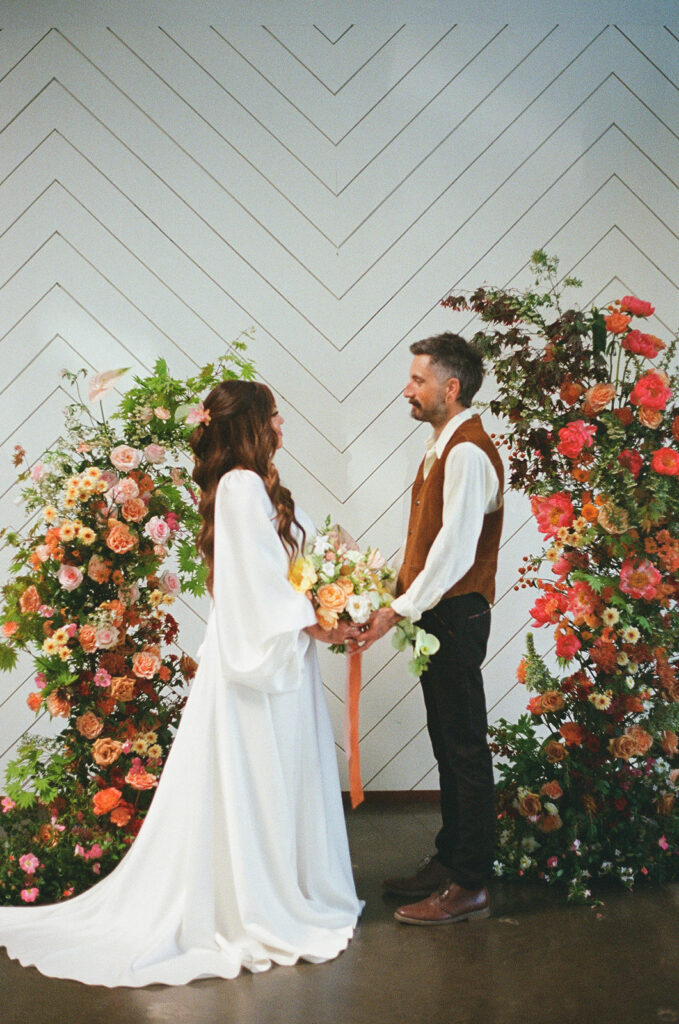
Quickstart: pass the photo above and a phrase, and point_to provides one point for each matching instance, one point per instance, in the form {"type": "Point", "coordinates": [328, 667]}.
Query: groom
{"type": "Point", "coordinates": [447, 584]}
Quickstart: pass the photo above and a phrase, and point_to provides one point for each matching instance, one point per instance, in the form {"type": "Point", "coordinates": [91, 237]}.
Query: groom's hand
{"type": "Point", "coordinates": [381, 622]}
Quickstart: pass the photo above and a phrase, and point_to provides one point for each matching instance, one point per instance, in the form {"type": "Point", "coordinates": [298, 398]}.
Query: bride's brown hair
{"type": "Point", "coordinates": [239, 433]}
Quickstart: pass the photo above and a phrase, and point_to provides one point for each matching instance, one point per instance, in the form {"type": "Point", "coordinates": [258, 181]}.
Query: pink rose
{"type": "Point", "coordinates": [169, 582]}
{"type": "Point", "coordinates": [30, 895]}
{"type": "Point", "coordinates": [37, 472]}
{"type": "Point", "coordinates": [574, 437]}
{"type": "Point", "coordinates": [42, 552]}
{"type": "Point", "coordinates": [198, 415]}
{"type": "Point", "coordinates": [125, 490]}
{"type": "Point", "coordinates": [157, 530]}
{"type": "Point", "coordinates": [161, 413]}
{"type": "Point", "coordinates": [29, 863]}
{"type": "Point", "coordinates": [155, 453]}
{"type": "Point", "coordinates": [125, 458]}
{"type": "Point", "coordinates": [70, 577]}
{"type": "Point", "coordinates": [106, 637]}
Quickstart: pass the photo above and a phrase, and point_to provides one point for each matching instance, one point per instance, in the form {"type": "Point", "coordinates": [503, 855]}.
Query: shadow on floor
{"type": "Point", "coordinates": [536, 961]}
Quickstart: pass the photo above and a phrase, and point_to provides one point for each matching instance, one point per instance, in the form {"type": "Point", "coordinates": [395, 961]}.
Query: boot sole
{"type": "Point", "coordinates": [472, 915]}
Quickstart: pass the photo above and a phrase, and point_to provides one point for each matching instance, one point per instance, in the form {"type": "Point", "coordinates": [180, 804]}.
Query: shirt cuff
{"type": "Point", "coordinates": [403, 606]}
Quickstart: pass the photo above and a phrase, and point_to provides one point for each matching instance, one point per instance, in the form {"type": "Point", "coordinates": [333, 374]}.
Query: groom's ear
{"type": "Point", "coordinates": [452, 389]}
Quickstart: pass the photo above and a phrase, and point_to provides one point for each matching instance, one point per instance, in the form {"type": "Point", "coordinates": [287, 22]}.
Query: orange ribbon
{"type": "Point", "coordinates": [351, 699]}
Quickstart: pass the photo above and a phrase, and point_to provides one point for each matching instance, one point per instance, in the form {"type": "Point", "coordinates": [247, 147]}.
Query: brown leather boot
{"type": "Point", "coordinates": [431, 874]}
{"type": "Point", "coordinates": [450, 904]}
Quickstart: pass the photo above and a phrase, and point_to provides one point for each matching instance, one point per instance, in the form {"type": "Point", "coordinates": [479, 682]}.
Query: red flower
{"type": "Point", "coordinates": [567, 644]}
{"type": "Point", "coordinates": [665, 461]}
{"type": "Point", "coordinates": [651, 391]}
{"type": "Point", "coordinates": [639, 578]}
{"type": "Point", "coordinates": [573, 733]}
{"type": "Point", "coordinates": [549, 607]}
{"type": "Point", "coordinates": [646, 345]}
{"type": "Point", "coordinates": [637, 307]}
{"type": "Point", "coordinates": [631, 460]}
{"type": "Point", "coordinates": [574, 437]}
{"type": "Point", "coordinates": [552, 512]}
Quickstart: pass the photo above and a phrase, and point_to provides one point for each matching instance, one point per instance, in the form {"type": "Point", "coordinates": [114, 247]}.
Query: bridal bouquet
{"type": "Point", "coordinates": [347, 584]}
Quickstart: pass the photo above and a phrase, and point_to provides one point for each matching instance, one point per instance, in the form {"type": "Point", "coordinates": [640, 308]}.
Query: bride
{"type": "Point", "coordinates": [243, 859]}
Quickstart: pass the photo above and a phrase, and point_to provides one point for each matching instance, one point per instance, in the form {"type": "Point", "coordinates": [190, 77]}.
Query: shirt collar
{"type": "Point", "coordinates": [438, 444]}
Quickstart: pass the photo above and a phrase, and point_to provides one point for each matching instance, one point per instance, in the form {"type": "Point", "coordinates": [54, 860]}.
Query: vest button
{"type": "Point", "coordinates": [417, 502]}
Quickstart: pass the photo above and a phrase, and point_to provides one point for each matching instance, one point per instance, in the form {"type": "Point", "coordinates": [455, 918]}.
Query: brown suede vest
{"type": "Point", "coordinates": [426, 519]}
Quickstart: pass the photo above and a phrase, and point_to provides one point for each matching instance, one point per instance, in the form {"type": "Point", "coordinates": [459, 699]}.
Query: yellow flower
{"type": "Point", "coordinates": [66, 530]}
{"type": "Point", "coordinates": [60, 636]}
{"type": "Point", "coordinates": [50, 645]}
{"type": "Point", "coordinates": [50, 514]}
{"type": "Point", "coordinates": [139, 746]}
{"type": "Point", "coordinates": [155, 751]}
{"type": "Point", "coordinates": [302, 575]}
{"type": "Point", "coordinates": [156, 597]}
{"type": "Point", "coordinates": [64, 653]}
{"type": "Point", "coordinates": [102, 486]}
{"type": "Point", "coordinates": [86, 535]}
{"type": "Point", "coordinates": [610, 616]}
{"type": "Point", "coordinates": [93, 473]}
{"type": "Point", "coordinates": [601, 701]}
{"type": "Point", "coordinates": [70, 502]}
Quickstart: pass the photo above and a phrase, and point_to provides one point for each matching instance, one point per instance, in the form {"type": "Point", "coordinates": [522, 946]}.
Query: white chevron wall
{"type": "Point", "coordinates": [173, 173]}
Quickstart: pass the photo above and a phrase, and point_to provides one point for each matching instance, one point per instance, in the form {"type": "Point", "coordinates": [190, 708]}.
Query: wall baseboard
{"type": "Point", "coordinates": [395, 797]}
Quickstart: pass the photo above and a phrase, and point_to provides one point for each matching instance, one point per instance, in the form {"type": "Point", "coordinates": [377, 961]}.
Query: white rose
{"type": "Point", "coordinates": [70, 577]}
{"type": "Point", "coordinates": [358, 606]}
{"type": "Point", "coordinates": [125, 458]}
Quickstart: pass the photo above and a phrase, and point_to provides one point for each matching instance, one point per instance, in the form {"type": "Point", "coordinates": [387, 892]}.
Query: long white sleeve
{"type": "Point", "coordinates": [470, 490]}
{"type": "Point", "coordinates": [259, 616]}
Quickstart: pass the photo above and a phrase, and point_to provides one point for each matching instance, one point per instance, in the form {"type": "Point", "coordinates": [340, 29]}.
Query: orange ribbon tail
{"type": "Point", "coordinates": [351, 700]}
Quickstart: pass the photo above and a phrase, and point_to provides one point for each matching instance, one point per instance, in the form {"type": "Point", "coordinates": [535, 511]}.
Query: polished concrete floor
{"type": "Point", "coordinates": [536, 961]}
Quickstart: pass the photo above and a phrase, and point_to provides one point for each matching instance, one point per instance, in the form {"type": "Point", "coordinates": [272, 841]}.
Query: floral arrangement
{"type": "Point", "coordinates": [347, 584]}
{"type": "Point", "coordinates": [92, 584]}
{"type": "Point", "coordinates": [588, 776]}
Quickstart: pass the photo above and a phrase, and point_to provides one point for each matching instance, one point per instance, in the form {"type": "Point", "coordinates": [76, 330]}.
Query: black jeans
{"type": "Point", "coordinates": [457, 723]}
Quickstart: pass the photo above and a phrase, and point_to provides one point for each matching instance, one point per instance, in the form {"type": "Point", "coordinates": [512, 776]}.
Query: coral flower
{"type": "Point", "coordinates": [106, 799]}
{"type": "Point", "coordinates": [637, 307]}
{"type": "Point", "coordinates": [665, 461]}
{"type": "Point", "coordinates": [567, 645]}
{"type": "Point", "coordinates": [574, 437]}
{"type": "Point", "coordinates": [552, 513]}
{"type": "Point", "coordinates": [639, 578]}
{"type": "Point", "coordinates": [651, 391]}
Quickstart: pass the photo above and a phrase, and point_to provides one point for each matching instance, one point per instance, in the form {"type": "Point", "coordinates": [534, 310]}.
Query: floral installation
{"type": "Point", "coordinates": [93, 579]}
{"type": "Point", "coordinates": [347, 584]}
{"type": "Point", "coordinates": [588, 777]}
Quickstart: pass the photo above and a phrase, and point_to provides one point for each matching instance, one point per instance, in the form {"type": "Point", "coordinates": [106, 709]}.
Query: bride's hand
{"type": "Point", "coordinates": [344, 633]}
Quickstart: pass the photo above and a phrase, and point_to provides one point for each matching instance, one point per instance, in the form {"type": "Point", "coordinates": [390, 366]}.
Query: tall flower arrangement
{"type": "Point", "coordinates": [89, 598]}
{"type": "Point", "coordinates": [588, 776]}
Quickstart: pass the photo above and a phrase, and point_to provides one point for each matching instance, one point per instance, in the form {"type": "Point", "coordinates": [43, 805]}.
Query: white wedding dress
{"type": "Point", "coordinates": [243, 859]}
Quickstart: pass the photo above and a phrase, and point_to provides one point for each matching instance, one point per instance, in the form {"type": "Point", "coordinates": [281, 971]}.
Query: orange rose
{"type": "Point", "coordinates": [141, 780]}
{"type": "Point", "coordinates": [346, 585]}
{"type": "Point", "coordinates": [98, 570]}
{"type": "Point", "coordinates": [552, 789]}
{"type": "Point", "coordinates": [88, 725]}
{"type": "Point", "coordinates": [332, 597]}
{"type": "Point", "coordinates": [58, 705]}
{"type": "Point", "coordinates": [643, 739]}
{"type": "Point", "coordinates": [119, 538]}
{"type": "Point", "coordinates": [616, 323]}
{"type": "Point", "coordinates": [122, 688]}
{"type": "Point", "coordinates": [106, 750]}
{"type": "Point", "coordinates": [590, 512]}
{"type": "Point", "coordinates": [669, 742]}
{"type": "Point", "coordinates": [146, 663]}
{"type": "Point", "coordinates": [650, 418]}
{"type": "Point", "coordinates": [29, 601]}
{"type": "Point", "coordinates": [134, 510]}
{"type": "Point", "coordinates": [326, 620]}
{"type": "Point", "coordinates": [623, 747]}
{"type": "Point", "coordinates": [529, 805]}
{"type": "Point", "coordinates": [555, 752]}
{"type": "Point", "coordinates": [187, 666]}
{"type": "Point", "coordinates": [87, 635]}
{"type": "Point", "coordinates": [106, 799]}
{"type": "Point", "coordinates": [34, 701]}
{"type": "Point", "coordinates": [121, 814]}
{"type": "Point", "coordinates": [551, 700]}
{"type": "Point", "coordinates": [570, 392]}
{"type": "Point", "coordinates": [597, 398]}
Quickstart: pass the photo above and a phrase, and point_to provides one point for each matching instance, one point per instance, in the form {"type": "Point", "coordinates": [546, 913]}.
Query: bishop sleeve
{"type": "Point", "coordinates": [259, 616]}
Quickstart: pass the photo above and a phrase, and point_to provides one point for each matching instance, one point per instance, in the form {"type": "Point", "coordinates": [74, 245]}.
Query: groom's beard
{"type": "Point", "coordinates": [416, 411]}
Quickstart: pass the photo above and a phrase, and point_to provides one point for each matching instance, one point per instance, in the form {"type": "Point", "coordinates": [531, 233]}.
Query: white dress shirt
{"type": "Point", "coordinates": [471, 490]}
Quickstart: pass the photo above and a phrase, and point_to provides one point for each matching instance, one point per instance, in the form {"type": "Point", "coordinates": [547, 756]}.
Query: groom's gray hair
{"type": "Point", "coordinates": [452, 356]}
